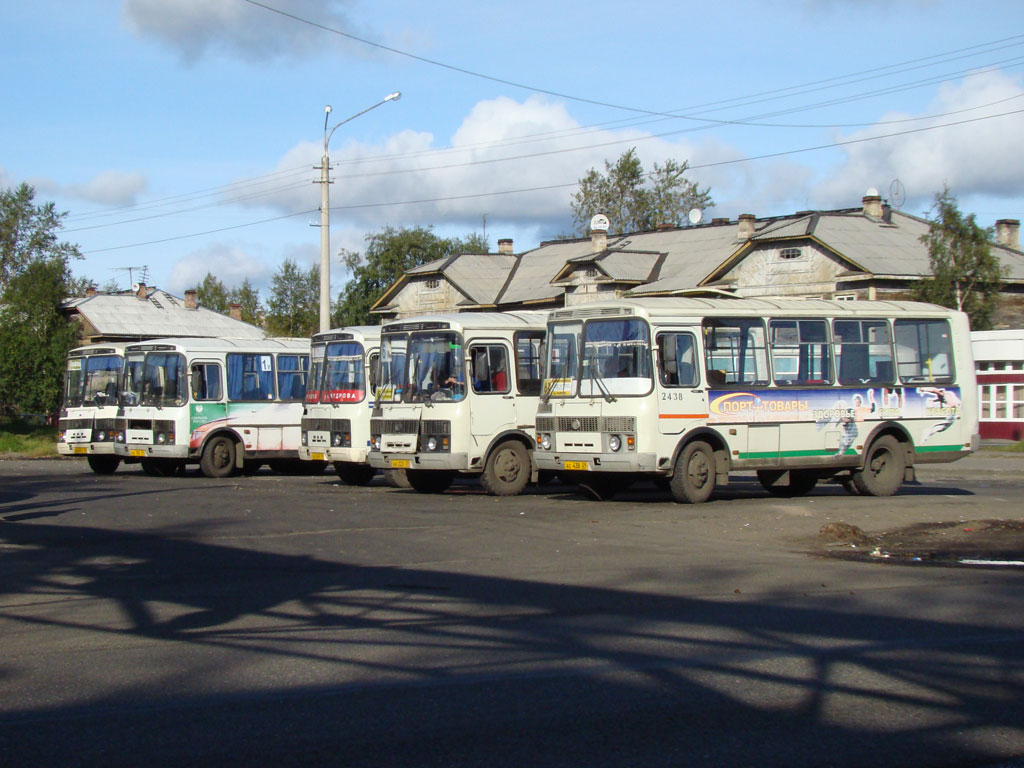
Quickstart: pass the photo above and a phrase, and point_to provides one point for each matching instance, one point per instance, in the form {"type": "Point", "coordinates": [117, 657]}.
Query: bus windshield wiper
{"type": "Point", "coordinates": [597, 377]}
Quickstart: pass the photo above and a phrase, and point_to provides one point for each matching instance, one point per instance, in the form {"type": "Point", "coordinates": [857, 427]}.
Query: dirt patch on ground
{"type": "Point", "coordinates": [970, 543]}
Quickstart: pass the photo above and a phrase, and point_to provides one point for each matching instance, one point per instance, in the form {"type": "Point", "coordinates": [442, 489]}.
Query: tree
{"type": "Point", "coordinates": [389, 254]}
{"type": "Point", "coordinates": [34, 338]}
{"type": "Point", "coordinates": [249, 299]}
{"type": "Point", "coordinates": [966, 274]}
{"type": "Point", "coordinates": [212, 294]}
{"type": "Point", "coordinates": [635, 201]}
{"type": "Point", "coordinates": [293, 308]}
{"type": "Point", "coordinates": [28, 233]}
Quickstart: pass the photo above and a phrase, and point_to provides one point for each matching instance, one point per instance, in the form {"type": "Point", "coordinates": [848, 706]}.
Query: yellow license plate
{"type": "Point", "coordinates": [575, 465]}
{"type": "Point", "coordinates": [400, 464]}
{"type": "Point", "coordinates": [136, 452]}
{"type": "Point", "coordinates": [319, 457]}
{"type": "Point", "coordinates": [81, 449]}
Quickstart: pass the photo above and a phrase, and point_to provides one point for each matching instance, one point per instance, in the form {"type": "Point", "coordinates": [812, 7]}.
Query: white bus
{"type": "Point", "coordinates": [689, 390]}
{"type": "Point", "coordinates": [339, 399]}
{"type": "Point", "coordinates": [86, 425]}
{"type": "Point", "coordinates": [457, 394]}
{"type": "Point", "coordinates": [228, 404]}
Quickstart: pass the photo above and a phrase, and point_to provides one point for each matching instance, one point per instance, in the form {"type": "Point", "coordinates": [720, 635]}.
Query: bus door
{"type": "Point", "coordinates": [682, 402]}
{"type": "Point", "coordinates": [206, 381]}
{"type": "Point", "coordinates": [491, 380]}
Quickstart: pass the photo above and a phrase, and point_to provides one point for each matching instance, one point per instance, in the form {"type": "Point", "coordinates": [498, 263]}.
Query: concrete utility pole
{"type": "Point", "coordinates": [325, 211]}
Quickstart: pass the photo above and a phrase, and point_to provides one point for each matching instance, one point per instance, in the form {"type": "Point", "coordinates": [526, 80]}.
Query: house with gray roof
{"type": "Point", "coordinates": [870, 252]}
{"type": "Point", "coordinates": [150, 313]}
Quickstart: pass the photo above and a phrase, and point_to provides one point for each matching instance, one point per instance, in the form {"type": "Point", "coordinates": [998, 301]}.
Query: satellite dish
{"type": "Point", "coordinates": [897, 194]}
{"type": "Point", "coordinates": [872, 192]}
{"type": "Point", "coordinates": [695, 216]}
{"type": "Point", "coordinates": [135, 287]}
{"type": "Point", "coordinates": [599, 223]}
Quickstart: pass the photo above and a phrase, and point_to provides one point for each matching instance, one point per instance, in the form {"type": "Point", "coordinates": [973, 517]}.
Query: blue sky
{"type": "Point", "coordinates": [181, 135]}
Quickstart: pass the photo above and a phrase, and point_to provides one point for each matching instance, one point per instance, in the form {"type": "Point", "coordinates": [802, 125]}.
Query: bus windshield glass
{"type": "Point", "coordinates": [616, 358]}
{"type": "Point", "coordinates": [563, 360]}
{"type": "Point", "coordinates": [158, 378]}
{"type": "Point", "coordinates": [344, 381]}
{"type": "Point", "coordinates": [92, 380]}
{"type": "Point", "coordinates": [316, 372]}
{"type": "Point", "coordinates": [391, 370]}
{"type": "Point", "coordinates": [435, 368]}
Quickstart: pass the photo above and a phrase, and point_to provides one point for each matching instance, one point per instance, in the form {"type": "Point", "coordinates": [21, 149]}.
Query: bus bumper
{"type": "Point", "coordinates": [433, 461]}
{"type": "Point", "coordinates": [319, 453]}
{"type": "Point", "coordinates": [600, 462]}
{"type": "Point", "coordinates": [143, 451]}
{"type": "Point", "coordinates": [85, 449]}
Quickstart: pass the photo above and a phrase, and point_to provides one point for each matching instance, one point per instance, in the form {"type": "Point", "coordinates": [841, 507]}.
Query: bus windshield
{"type": "Point", "coordinates": [435, 368]}
{"type": "Point", "coordinates": [562, 364]}
{"type": "Point", "coordinates": [156, 378]}
{"type": "Point", "coordinates": [391, 368]}
{"type": "Point", "coordinates": [316, 371]}
{"type": "Point", "coordinates": [92, 380]}
{"type": "Point", "coordinates": [616, 358]}
{"type": "Point", "coordinates": [344, 381]}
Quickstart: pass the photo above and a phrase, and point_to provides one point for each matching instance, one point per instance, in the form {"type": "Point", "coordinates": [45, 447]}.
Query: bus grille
{"type": "Point", "coordinates": [436, 427]}
{"type": "Point", "coordinates": [618, 424]}
{"type": "Point", "coordinates": [398, 426]}
{"type": "Point", "coordinates": [545, 423]}
{"type": "Point", "coordinates": [577, 424]}
{"type": "Point", "coordinates": [316, 425]}
{"type": "Point", "coordinates": [75, 424]}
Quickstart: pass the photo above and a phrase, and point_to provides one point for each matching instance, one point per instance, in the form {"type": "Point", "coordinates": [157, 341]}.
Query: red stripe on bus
{"type": "Point", "coordinates": [682, 415]}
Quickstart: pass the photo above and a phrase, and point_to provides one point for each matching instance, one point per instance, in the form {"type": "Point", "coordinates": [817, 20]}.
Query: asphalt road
{"type": "Point", "coordinates": [294, 621]}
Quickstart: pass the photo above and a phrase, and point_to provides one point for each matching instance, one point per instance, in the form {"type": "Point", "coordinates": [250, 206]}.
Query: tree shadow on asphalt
{"type": "Point", "coordinates": [466, 669]}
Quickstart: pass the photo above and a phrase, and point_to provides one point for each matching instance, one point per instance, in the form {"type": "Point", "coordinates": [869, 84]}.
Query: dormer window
{"type": "Point", "coordinates": [432, 284]}
{"type": "Point", "coordinates": [592, 272]}
{"type": "Point", "coordinates": [788, 254]}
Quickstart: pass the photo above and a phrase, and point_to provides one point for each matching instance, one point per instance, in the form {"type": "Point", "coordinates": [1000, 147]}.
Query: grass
{"type": "Point", "coordinates": [1017, 447]}
{"type": "Point", "coordinates": [27, 440]}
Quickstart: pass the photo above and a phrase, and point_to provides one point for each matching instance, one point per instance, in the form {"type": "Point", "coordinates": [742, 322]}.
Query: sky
{"type": "Point", "coordinates": [182, 136]}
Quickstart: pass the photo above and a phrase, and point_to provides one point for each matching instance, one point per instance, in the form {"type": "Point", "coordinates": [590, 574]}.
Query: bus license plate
{"type": "Point", "coordinates": [81, 449]}
{"type": "Point", "coordinates": [136, 452]}
{"type": "Point", "coordinates": [319, 457]}
{"type": "Point", "coordinates": [575, 465]}
{"type": "Point", "coordinates": [400, 464]}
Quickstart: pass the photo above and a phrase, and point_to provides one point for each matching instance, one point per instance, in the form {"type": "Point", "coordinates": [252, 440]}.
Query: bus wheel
{"type": "Point", "coordinates": [885, 463]}
{"type": "Point", "coordinates": [693, 480]}
{"type": "Point", "coordinates": [428, 480]}
{"type": "Point", "coordinates": [218, 457]}
{"type": "Point", "coordinates": [801, 482]}
{"type": "Point", "coordinates": [104, 465]}
{"type": "Point", "coordinates": [352, 473]}
{"type": "Point", "coordinates": [507, 470]}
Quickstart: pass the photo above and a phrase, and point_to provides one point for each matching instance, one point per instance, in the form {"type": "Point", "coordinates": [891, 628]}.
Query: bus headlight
{"type": "Point", "coordinates": [340, 439]}
{"type": "Point", "coordinates": [545, 442]}
{"type": "Point", "coordinates": [304, 439]}
{"type": "Point", "coordinates": [615, 443]}
{"type": "Point", "coordinates": [161, 438]}
{"type": "Point", "coordinates": [99, 436]}
{"type": "Point", "coordinates": [431, 443]}
{"type": "Point", "coordinates": [375, 442]}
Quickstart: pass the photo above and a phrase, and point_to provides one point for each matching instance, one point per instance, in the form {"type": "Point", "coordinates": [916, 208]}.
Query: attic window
{"type": "Point", "coordinates": [432, 284]}
{"type": "Point", "coordinates": [790, 253]}
{"type": "Point", "coordinates": [592, 272]}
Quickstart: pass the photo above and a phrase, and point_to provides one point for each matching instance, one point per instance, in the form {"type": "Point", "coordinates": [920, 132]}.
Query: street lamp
{"type": "Point", "coordinates": [325, 211]}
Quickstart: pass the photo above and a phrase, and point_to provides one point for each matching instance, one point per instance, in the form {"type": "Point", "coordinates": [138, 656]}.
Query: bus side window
{"type": "Point", "coordinates": [676, 359]}
{"type": "Point", "coordinates": [205, 381]}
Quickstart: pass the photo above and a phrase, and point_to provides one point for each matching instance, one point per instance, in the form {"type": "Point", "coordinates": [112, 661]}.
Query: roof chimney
{"type": "Point", "coordinates": [91, 291]}
{"type": "Point", "coordinates": [191, 299]}
{"type": "Point", "coordinates": [235, 311]}
{"type": "Point", "coordinates": [598, 240]}
{"type": "Point", "coordinates": [1008, 233]}
{"type": "Point", "coordinates": [505, 246]}
{"type": "Point", "coordinates": [141, 291]}
{"type": "Point", "coordinates": [872, 203]}
{"type": "Point", "coordinates": [746, 227]}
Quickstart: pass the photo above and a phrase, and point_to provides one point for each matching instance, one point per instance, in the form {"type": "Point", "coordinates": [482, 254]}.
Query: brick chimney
{"type": "Point", "coordinates": [235, 311]}
{"type": "Point", "coordinates": [745, 231]}
{"type": "Point", "coordinates": [142, 291]}
{"type": "Point", "coordinates": [1008, 233]}
{"type": "Point", "coordinates": [191, 299]}
{"type": "Point", "coordinates": [91, 291]}
{"type": "Point", "coordinates": [598, 240]}
{"type": "Point", "coordinates": [872, 203]}
{"type": "Point", "coordinates": [505, 246]}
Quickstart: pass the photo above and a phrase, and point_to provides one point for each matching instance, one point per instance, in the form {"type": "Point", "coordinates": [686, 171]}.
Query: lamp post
{"type": "Point", "coordinates": [325, 211]}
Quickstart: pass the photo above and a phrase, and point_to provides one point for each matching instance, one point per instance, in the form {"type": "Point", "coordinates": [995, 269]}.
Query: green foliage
{"type": "Point", "coordinates": [249, 299]}
{"type": "Point", "coordinates": [27, 440]}
{"type": "Point", "coordinates": [293, 308]}
{"type": "Point", "coordinates": [966, 274]}
{"type": "Point", "coordinates": [635, 201]}
{"type": "Point", "coordinates": [34, 338]}
{"type": "Point", "coordinates": [389, 254]}
{"type": "Point", "coordinates": [212, 294]}
{"type": "Point", "coordinates": [28, 233]}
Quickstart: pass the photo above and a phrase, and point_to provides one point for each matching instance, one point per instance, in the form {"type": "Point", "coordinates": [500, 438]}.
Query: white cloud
{"type": "Point", "coordinates": [228, 263]}
{"type": "Point", "coordinates": [981, 157]}
{"type": "Point", "coordinates": [110, 188]}
{"type": "Point", "coordinates": [192, 27]}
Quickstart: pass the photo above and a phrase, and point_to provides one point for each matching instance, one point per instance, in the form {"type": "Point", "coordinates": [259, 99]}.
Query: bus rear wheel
{"type": "Point", "coordinates": [352, 473]}
{"type": "Point", "coordinates": [428, 480]}
{"type": "Point", "coordinates": [507, 470]}
{"type": "Point", "coordinates": [801, 482]}
{"type": "Point", "coordinates": [693, 480]}
{"type": "Point", "coordinates": [885, 463]}
{"type": "Point", "coordinates": [104, 465]}
{"type": "Point", "coordinates": [218, 457]}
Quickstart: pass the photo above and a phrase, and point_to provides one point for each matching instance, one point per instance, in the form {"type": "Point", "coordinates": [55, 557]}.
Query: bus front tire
{"type": "Point", "coordinates": [104, 465]}
{"type": "Point", "coordinates": [428, 480]}
{"type": "Point", "coordinates": [352, 473]}
{"type": "Point", "coordinates": [693, 480]}
{"type": "Point", "coordinates": [507, 470]}
{"type": "Point", "coordinates": [218, 459]}
{"type": "Point", "coordinates": [885, 463]}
